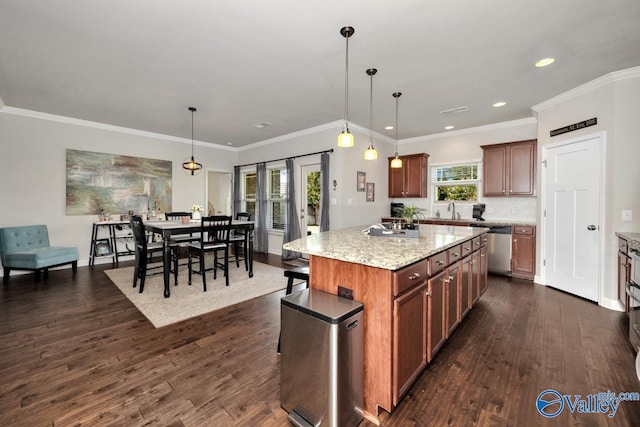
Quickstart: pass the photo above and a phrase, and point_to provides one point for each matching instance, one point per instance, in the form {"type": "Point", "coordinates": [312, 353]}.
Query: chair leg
{"type": "Point", "coordinates": [203, 272]}
{"type": "Point", "coordinates": [189, 264]}
{"type": "Point", "coordinates": [74, 267]}
{"type": "Point", "coordinates": [143, 273]}
{"type": "Point", "coordinates": [236, 249]}
{"type": "Point", "coordinates": [290, 285]}
{"type": "Point", "coordinates": [5, 278]}
{"type": "Point", "coordinates": [226, 265]}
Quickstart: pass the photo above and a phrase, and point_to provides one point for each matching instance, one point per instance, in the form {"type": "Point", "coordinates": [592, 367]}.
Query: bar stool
{"type": "Point", "coordinates": [300, 273]}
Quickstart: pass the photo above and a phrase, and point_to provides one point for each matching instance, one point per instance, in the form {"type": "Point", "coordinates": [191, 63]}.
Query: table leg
{"type": "Point", "coordinates": [92, 249]}
{"type": "Point", "coordinates": [250, 253]}
{"type": "Point", "coordinates": [166, 263]}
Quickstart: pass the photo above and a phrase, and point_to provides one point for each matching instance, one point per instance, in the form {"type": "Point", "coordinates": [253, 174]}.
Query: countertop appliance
{"type": "Point", "coordinates": [396, 208]}
{"type": "Point", "coordinates": [499, 248]}
{"type": "Point", "coordinates": [478, 210]}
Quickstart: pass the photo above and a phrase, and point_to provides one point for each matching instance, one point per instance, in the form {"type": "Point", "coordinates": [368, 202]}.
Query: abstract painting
{"type": "Point", "coordinates": [116, 184]}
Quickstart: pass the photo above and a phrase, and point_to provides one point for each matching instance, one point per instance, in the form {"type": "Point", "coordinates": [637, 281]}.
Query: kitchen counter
{"type": "Point", "coordinates": [389, 253]}
{"type": "Point", "coordinates": [628, 236]}
{"type": "Point", "coordinates": [465, 222]}
{"type": "Point", "coordinates": [415, 291]}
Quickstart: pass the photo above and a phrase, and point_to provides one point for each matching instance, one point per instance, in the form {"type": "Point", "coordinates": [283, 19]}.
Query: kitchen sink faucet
{"type": "Point", "coordinates": [452, 208]}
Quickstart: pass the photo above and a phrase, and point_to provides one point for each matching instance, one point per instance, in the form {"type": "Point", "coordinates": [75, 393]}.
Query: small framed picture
{"type": "Point", "coordinates": [361, 180]}
{"type": "Point", "coordinates": [102, 247]}
{"type": "Point", "coordinates": [371, 192]}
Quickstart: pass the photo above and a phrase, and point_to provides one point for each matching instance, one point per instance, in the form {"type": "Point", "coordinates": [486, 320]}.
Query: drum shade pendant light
{"type": "Point", "coordinates": [371, 153]}
{"type": "Point", "coordinates": [190, 165]}
{"type": "Point", "coordinates": [345, 139]}
{"type": "Point", "coordinates": [396, 163]}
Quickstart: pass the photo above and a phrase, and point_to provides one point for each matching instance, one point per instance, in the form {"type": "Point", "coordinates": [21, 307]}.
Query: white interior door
{"type": "Point", "coordinates": [572, 220]}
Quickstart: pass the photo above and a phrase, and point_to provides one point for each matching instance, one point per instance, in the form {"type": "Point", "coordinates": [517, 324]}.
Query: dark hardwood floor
{"type": "Point", "coordinates": [75, 351]}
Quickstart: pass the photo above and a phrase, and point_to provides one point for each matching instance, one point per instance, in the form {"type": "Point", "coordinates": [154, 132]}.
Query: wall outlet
{"type": "Point", "coordinates": [627, 215]}
{"type": "Point", "coordinates": [334, 201]}
{"type": "Point", "coordinates": [514, 211]}
{"type": "Point", "coordinates": [345, 292]}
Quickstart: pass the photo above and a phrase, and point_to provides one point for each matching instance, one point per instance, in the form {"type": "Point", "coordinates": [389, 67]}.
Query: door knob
{"type": "Point", "coordinates": [591, 227]}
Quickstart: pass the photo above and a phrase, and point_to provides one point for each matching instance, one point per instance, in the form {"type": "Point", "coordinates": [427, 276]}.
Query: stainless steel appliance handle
{"type": "Point", "coordinates": [632, 295]}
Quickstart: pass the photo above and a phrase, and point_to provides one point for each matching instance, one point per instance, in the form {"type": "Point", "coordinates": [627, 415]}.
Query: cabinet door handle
{"type": "Point", "coordinates": [439, 262]}
{"type": "Point", "coordinates": [414, 276]}
{"type": "Point", "coordinates": [476, 243]}
{"type": "Point", "coordinates": [467, 249]}
{"type": "Point", "coordinates": [428, 293]}
{"type": "Point", "coordinates": [446, 280]}
{"type": "Point", "coordinates": [524, 230]}
{"type": "Point", "coordinates": [515, 240]}
{"type": "Point", "coordinates": [455, 254]}
{"type": "Point", "coordinates": [450, 277]}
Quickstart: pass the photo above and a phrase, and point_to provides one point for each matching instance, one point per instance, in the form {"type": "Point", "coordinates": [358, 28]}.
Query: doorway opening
{"type": "Point", "coordinates": [310, 200]}
{"type": "Point", "coordinates": [219, 187]}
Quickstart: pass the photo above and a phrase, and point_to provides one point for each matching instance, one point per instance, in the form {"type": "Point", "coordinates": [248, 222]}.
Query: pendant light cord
{"type": "Point", "coordinates": [192, 132]}
{"type": "Point", "coordinates": [371, 110]}
{"type": "Point", "coordinates": [346, 83]}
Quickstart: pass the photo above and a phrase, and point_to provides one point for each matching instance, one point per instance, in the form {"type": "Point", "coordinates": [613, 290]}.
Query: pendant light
{"type": "Point", "coordinates": [396, 163]}
{"type": "Point", "coordinates": [371, 153]}
{"type": "Point", "coordinates": [345, 139]}
{"type": "Point", "coordinates": [190, 165]}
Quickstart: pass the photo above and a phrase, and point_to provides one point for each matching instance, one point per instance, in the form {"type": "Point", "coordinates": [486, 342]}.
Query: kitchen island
{"type": "Point", "coordinates": [415, 292]}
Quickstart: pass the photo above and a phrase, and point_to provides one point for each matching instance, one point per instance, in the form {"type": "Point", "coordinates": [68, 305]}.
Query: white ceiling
{"type": "Point", "coordinates": [140, 63]}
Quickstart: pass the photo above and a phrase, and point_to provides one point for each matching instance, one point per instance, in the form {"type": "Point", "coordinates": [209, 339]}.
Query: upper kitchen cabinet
{"type": "Point", "coordinates": [411, 179]}
{"type": "Point", "coordinates": [509, 169]}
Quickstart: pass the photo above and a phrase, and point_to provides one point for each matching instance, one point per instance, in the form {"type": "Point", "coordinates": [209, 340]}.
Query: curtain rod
{"type": "Point", "coordinates": [290, 157]}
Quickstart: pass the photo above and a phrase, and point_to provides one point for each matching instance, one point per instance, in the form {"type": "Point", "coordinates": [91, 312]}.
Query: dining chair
{"type": "Point", "coordinates": [179, 243]}
{"type": "Point", "coordinates": [240, 240]}
{"type": "Point", "coordinates": [143, 252]}
{"type": "Point", "coordinates": [215, 231]}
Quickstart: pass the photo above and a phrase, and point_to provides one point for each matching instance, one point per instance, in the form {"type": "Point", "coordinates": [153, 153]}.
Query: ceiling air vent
{"type": "Point", "coordinates": [455, 110]}
{"type": "Point", "coordinates": [262, 125]}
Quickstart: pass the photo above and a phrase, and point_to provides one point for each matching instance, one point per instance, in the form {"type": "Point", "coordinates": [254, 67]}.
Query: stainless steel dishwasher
{"type": "Point", "coordinates": [499, 248]}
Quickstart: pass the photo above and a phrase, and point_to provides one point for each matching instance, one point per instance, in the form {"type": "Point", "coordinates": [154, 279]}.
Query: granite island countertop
{"type": "Point", "coordinates": [389, 253]}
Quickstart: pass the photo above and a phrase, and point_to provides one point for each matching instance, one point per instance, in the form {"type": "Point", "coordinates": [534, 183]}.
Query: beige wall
{"type": "Point", "coordinates": [614, 100]}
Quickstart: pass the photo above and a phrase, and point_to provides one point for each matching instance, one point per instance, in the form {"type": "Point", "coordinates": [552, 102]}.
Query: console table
{"type": "Point", "coordinates": [107, 246]}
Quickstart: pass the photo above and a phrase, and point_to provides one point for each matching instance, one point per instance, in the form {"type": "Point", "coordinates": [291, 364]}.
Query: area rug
{"type": "Point", "coordinates": [296, 262]}
{"type": "Point", "coordinates": [187, 301]}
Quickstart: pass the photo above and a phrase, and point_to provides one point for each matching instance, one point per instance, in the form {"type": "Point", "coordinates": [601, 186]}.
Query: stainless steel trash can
{"type": "Point", "coordinates": [321, 359]}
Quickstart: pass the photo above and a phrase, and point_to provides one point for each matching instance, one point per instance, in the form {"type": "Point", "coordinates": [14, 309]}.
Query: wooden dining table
{"type": "Point", "coordinates": [170, 228]}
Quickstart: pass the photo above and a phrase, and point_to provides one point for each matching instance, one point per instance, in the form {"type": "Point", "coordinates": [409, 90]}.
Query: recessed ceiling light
{"type": "Point", "coordinates": [449, 127]}
{"type": "Point", "coordinates": [229, 143]}
{"type": "Point", "coordinates": [544, 62]}
{"type": "Point", "coordinates": [388, 127]}
{"type": "Point", "coordinates": [500, 104]}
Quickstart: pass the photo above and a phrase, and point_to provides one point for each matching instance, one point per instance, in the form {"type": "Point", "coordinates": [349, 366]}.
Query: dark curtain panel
{"type": "Point", "coordinates": [292, 231]}
{"type": "Point", "coordinates": [324, 192]}
{"type": "Point", "coordinates": [262, 237]}
{"type": "Point", "coordinates": [236, 190]}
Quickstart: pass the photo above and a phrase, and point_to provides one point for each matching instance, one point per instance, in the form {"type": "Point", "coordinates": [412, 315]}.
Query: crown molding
{"type": "Point", "coordinates": [607, 79]}
{"type": "Point", "coordinates": [483, 128]}
{"type": "Point", "coordinates": [102, 126]}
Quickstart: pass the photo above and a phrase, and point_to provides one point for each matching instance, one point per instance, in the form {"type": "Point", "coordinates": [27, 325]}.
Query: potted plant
{"type": "Point", "coordinates": [411, 212]}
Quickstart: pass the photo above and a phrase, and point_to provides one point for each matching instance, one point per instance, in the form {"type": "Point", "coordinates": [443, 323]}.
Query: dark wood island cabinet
{"type": "Point", "coordinates": [413, 291]}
